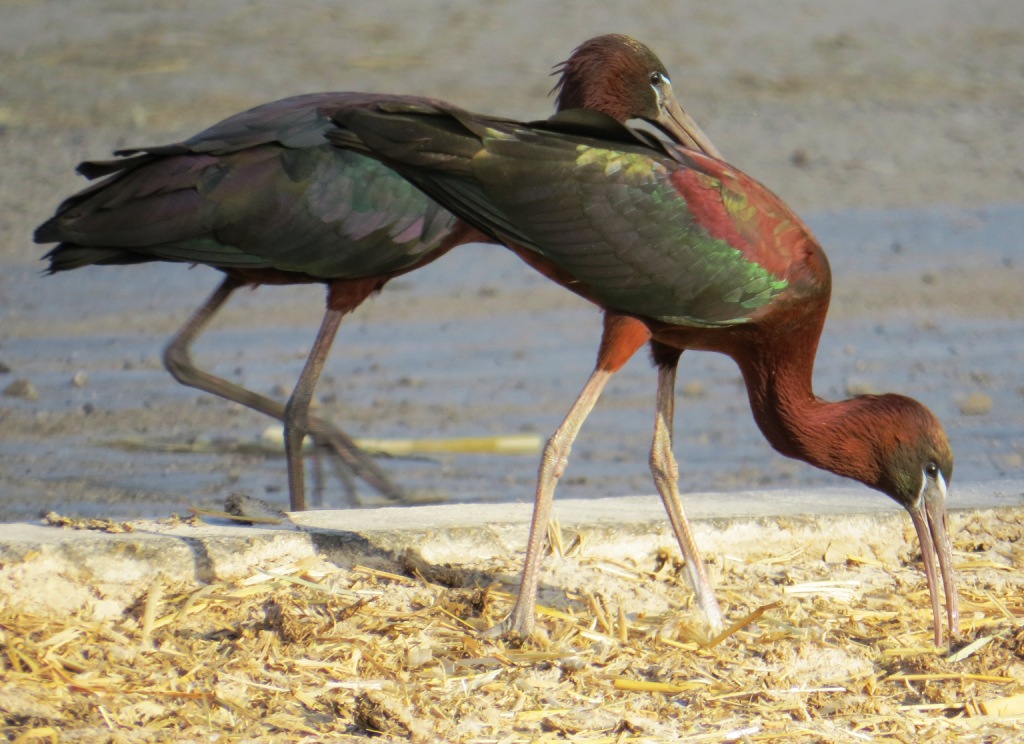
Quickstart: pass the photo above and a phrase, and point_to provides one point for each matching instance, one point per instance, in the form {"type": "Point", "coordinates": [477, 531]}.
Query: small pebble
{"type": "Point", "coordinates": [22, 389]}
{"type": "Point", "coordinates": [859, 387]}
{"type": "Point", "coordinates": [243, 505]}
{"type": "Point", "coordinates": [800, 158]}
{"type": "Point", "coordinates": [4, 369]}
{"type": "Point", "coordinates": [694, 389]}
{"type": "Point", "coordinates": [981, 378]}
{"type": "Point", "coordinates": [79, 379]}
{"type": "Point", "coordinates": [976, 404]}
{"type": "Point", "coordinates": [1013, 461]}
{"type": "Point", "coordinates": [573, 663]}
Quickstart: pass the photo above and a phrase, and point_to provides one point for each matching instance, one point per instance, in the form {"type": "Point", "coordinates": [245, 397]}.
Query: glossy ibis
{"type": "Point", "coordinates": [263, 198]}
{"type": "Point", "coordinates": [682, 251]}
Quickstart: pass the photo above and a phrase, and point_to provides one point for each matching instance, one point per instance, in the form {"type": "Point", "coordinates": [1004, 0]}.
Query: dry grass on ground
{"type": "Point", "coordinates": [311, 652]}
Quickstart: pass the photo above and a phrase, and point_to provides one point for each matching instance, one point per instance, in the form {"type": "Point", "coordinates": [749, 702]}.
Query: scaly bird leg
{"type": "Point", "coordinates": [665, 470]}
{"type": "Point", "coordinates": [552, 465]}
{"type": "Point", "coordinates": [622, 337]}
{"type": "Point", "coordinates": [296, 411]}
{"type": "Point", "coordinates": [178, 361]}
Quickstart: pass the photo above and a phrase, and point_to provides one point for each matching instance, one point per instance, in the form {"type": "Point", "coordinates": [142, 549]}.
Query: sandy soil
{"type": "Point", "coordinates": [872, 107]}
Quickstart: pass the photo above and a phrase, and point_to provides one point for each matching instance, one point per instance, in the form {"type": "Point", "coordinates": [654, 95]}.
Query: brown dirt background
{"type": "Point", "coordinates": [835, 105]}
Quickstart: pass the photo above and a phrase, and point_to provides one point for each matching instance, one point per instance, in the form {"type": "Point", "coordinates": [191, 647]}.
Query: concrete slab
{"type": "Point", "coordinates": [48, 569]}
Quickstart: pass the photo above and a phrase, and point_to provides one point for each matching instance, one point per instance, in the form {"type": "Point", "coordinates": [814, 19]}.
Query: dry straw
{"type": "Point", "coordinates": [313, 651]}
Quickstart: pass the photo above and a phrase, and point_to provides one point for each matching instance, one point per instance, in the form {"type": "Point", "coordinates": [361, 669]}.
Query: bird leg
{"type": "Point", "coordinates": [621, 338]}
{"type": "Point", "coordinates": [552, 465]}
{"type": "Point", "coordinates": [665, 470]}
{"type": "Point", "coordinates": [178, 361]}
{"type": "Point", "coordinates": [296, 411]}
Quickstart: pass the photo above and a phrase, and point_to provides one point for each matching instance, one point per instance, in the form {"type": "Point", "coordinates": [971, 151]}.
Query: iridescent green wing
{"type": "Point", "coordinates": [646, 234]}
{"type": "Point", "coordinates": [261, 189]}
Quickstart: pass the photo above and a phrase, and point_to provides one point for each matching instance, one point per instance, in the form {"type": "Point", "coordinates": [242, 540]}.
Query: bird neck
{"type": "Point", "coordinates": [835, 436]}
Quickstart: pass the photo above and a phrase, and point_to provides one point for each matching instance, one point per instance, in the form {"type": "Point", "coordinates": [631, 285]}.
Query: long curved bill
{"type": "Point", "coordinates": [680, 126]}
{"type": "Point", "coordinates": [929, 517]}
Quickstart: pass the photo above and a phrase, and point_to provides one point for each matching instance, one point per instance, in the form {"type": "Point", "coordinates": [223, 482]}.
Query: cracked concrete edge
{"type": "Point", "coordinates": [59, 571]}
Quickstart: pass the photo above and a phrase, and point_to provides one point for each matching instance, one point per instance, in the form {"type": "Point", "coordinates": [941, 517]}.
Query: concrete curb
{"type": "Point", "coordinates": [60, 571]}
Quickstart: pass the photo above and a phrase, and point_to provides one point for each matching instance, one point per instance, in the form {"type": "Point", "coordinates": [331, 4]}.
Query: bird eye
{"type": "Point", "coordinates": [931, 470]}
{"type": "Point", "coordinates": [657, 78]}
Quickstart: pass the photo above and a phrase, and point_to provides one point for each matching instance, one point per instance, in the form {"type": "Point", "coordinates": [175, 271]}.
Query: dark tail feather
{"type": "Point", "coordinates": [48, 232]}
{"type": "Point", "coordinates": [68, 256]}
{"type": "Point", "coordinates": [93, 169]}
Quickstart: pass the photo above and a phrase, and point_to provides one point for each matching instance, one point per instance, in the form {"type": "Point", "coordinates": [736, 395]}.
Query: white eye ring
{"type": "Point", "coordinates": [932, 477]}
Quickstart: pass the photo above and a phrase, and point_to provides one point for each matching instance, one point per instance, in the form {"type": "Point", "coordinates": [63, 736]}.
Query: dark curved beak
{"type": "Point", "coordinates": [682, 128]}
{"type": "Point", "coordinates": [929, 517]}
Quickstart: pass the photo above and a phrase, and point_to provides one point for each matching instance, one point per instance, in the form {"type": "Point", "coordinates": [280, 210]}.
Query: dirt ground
{"type": "Point", "coordinates": [895, 128]}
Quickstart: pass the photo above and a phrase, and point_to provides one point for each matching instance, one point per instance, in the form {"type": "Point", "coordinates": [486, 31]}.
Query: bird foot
{"type": "Point", "coordinates": [507, 631]}
{"type": "Point", "coordinates": [498, 630]}
{"type": "Point", "coordinates": [350, 462]}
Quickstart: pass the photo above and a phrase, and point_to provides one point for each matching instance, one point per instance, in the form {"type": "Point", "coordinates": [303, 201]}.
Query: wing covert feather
{"type": "Point", "coordinates": [616, 221]}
